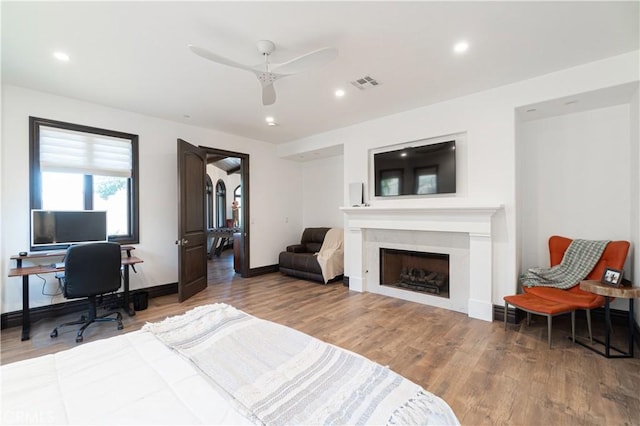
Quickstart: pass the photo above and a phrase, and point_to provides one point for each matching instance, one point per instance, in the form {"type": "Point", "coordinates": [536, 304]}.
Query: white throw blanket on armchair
{"type": "Point", "coordinates": [331, 254]}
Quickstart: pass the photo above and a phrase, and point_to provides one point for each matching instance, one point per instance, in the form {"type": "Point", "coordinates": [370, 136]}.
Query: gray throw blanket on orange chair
{"type": "Point", "coordinates": [578, 261]}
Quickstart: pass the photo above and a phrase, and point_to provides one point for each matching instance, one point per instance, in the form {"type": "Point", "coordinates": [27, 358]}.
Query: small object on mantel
{"type": "Point", "coordinates": [22, 253]}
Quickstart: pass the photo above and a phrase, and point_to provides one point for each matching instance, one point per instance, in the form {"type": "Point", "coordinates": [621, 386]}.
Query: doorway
{"type": "Point", "coordinates": [232, 168]}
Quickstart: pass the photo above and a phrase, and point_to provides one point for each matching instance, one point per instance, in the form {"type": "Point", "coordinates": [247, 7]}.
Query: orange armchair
{"type": "Point", "coordinates": [614, 257]}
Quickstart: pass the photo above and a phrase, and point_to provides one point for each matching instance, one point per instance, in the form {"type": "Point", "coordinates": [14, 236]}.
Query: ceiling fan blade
{"type": "Point", "coordinates": [268, 94]}
{"type": "Point", "coordinates": [313, 59]}
{"type": "Point", "coordinates": [204, 53]}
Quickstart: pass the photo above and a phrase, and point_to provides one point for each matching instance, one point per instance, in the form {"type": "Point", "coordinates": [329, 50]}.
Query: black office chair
{"type": "Point", "coordinates": [91, 270]}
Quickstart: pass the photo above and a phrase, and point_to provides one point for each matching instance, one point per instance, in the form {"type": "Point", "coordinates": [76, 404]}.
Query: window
{"type": "Point", "coordinates": [75, 167]}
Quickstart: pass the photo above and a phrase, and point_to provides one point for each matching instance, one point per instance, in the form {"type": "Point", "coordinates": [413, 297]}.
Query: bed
{"type": "Point", "coordinates": [213, 365]}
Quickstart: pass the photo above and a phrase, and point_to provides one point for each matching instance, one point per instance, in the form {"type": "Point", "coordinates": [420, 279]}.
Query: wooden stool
{"type": "Point", "coordinates": [536, 305]}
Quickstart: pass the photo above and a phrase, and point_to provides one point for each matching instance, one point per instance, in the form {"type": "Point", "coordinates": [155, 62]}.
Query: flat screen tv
{"type": "Point", "coordinates": [416, 170]}
{"type": "Point", "coordinates": [52, 229]}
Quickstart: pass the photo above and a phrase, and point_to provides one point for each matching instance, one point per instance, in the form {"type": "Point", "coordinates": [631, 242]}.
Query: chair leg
{"type": "Point", "coordinates": [89, 319]}
{"type": "Point", "coordinates": [588, 312]}
{"type": "Point", "coordinates": [573, 326]}
{"type": "Point", "coordinates": [549, 322]}
{"type": "Point", "coordinates": [528, 319]}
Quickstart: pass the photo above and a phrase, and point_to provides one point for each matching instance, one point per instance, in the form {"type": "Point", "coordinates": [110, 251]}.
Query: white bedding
{"type": "Point", "coordinates": [212, 365]}
{"type": "Point", "coordinates": [128, 379]}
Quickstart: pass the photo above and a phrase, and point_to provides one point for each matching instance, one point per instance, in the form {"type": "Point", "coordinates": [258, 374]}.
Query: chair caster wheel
{"type": "Point", "coordinates": [120, 326]}
{"type": "Point", "coordinates": [79, 339]}
{"type": "Point", "coordinates": [53, 334]}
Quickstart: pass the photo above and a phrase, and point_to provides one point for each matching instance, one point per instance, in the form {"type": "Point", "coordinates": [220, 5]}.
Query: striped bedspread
{"type": "Point", "coordinates": [282, 376]}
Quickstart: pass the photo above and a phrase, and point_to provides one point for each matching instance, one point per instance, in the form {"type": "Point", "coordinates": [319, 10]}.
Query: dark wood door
{"type": "Point", "coordinates": [192, 231]}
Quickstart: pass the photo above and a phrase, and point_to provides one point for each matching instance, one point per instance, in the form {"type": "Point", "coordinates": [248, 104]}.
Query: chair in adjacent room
{"type": "Point", "coordinates": [91, 270]}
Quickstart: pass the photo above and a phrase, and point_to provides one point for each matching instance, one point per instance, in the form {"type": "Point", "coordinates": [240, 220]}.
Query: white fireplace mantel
{"type": "Point", "coordinates": [469, 218]}
{"type": "Point", "coordinates": [473, 219]}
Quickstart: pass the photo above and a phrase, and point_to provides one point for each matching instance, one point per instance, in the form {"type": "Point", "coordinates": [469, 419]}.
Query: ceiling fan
{"type": "Point", "coordinates": [268, 73]}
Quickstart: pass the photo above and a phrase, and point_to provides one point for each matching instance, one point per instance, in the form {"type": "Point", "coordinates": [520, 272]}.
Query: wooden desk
{"type": "Point", "coordinates": [627, 292]}
{"type": "Point", "coordinates": [25, 272]}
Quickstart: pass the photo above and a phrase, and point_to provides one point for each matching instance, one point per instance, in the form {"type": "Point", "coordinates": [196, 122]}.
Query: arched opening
{"type": "Point", "coordinates": [221, 204]}
{"type": "Point", "coordinates": [237, 206]}
{"type": "Point", "coordinates": [209, 202]}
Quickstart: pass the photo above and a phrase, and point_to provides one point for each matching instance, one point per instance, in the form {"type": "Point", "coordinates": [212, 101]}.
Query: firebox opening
{"type": "Point", "coordinates": [416, 271]}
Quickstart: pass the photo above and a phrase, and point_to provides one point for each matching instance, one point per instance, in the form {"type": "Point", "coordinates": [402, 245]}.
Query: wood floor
{"type": "Point", "coordinates": [487, 375]}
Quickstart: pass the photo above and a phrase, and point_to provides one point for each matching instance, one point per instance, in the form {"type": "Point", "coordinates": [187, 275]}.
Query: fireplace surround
{"type": "Point", "coordinates": [462, 231]}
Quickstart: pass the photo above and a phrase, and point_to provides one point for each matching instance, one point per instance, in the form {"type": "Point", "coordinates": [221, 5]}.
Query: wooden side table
{"type": "Point", "coordinates": [628, 292]}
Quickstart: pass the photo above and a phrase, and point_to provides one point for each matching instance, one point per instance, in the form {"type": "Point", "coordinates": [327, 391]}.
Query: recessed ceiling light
{"type": "Point", "coordinates": [461, 47]}
{"type": "Point", "coordinates": [270, 121]}
{"type": "Point", "coordinates": [61, 56]}
{"type": "Point", "coordinates": [404, 154]}
{"type": "Point", "coordinates": [339, 93]}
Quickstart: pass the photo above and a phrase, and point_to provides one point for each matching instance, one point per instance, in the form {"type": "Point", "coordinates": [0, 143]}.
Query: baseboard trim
{"type": "Point", "coordinates": [14, 319]}
{"type": "Point", "coordinates": [254, 272]}
{"type": "Point", "coordinates": [159, 290]}
{"type": "Point", "coordinates": [514, 316]}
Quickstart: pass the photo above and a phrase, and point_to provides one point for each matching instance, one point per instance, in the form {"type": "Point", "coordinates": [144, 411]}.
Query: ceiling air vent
{"type": "Point", "coordinates": [365, 82]}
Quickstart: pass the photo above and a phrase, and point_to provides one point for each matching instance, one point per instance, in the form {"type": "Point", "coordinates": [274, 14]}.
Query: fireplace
{"type": "Point", "coordinates": [417, 271]}
{"type": "Point", "coordinates": [459, 228]}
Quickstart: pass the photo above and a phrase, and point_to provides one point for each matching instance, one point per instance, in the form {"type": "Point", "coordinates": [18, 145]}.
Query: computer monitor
{"type": "Point", "coordinates": [55, 229]}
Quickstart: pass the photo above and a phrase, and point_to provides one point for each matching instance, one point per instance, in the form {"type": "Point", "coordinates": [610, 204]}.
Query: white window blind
{"type": "Point", "coordinates": [86, 153]}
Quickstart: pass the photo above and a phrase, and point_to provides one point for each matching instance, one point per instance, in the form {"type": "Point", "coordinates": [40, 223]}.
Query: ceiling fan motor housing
{"type": "Point", "coordinates": [266, 47]}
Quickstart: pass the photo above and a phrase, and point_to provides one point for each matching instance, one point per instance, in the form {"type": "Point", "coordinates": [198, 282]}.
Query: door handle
{"type": "Point", "coordinates": [182, 242]}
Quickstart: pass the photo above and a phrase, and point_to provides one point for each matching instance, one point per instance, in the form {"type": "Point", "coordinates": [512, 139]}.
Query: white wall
{"type": "Point", "coordinates": [634, 166]}
{"type": "Point", "coordinates": [489, 165]}
{"type": "Point", "coordinates": [576, 181]}
{"type": "Point", "coordinates": [270, 204]}
{"type": "Point", "coordinates": [322, 195]}
{"type": "Point", "coordinates": [575, 174]}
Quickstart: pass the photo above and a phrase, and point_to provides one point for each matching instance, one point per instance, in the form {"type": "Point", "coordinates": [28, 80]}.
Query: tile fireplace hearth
{"type": "Point", "coordinates": [462, 232]}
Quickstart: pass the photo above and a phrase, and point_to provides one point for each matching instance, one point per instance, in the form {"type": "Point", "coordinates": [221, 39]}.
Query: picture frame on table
{"type": "Point", "coordinates": [612, 277]}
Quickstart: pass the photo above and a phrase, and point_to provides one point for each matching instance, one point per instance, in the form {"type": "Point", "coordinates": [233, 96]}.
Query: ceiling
{"type": "Point", "coordinates": [134, 56]}
{"type": "Point", "coordinates": [230, 165]}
